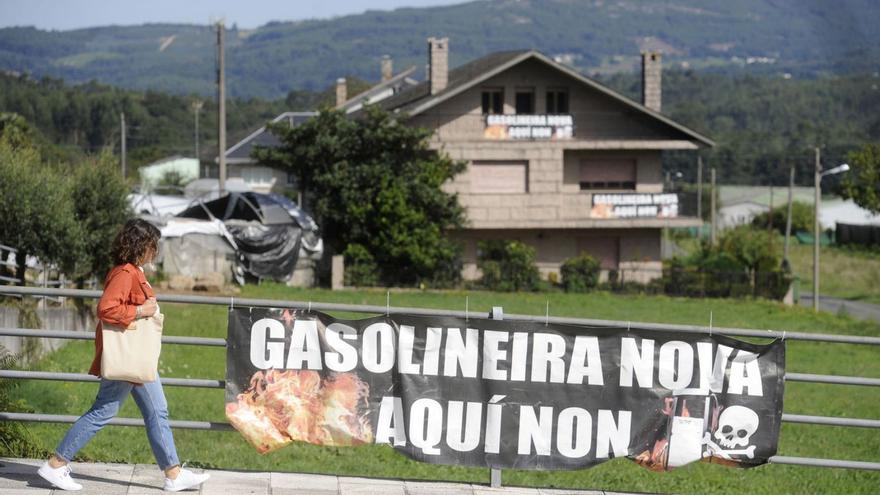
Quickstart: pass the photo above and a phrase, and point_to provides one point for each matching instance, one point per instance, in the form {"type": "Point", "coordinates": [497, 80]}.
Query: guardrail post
{"type": "Point", "coordinates": [497, 313]}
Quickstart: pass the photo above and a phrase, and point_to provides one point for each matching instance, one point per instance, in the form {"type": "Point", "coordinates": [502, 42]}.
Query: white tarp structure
{"type": "Point", "coordinates": [262, 236]}
{"type": "Point", "coordinates": [157, 205]}
{"type": "Point", "coordinates": [845, 211]}
{"type": "Point", "coordinates": [195, 247]}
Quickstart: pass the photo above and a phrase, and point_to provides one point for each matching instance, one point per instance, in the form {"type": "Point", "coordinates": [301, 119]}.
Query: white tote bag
{"type": "Point", "coordinates": [131, 353]}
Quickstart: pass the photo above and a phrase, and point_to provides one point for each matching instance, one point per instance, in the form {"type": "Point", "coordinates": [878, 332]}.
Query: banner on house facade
{"type": "Point", "coordinates": [530, 126]}
{"type": "Point", "coordinates": [635, 205]}
{"type": "Point", "coordinates": [504, 394]}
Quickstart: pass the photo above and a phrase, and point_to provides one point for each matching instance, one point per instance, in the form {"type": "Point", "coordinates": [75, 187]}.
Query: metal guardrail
{"type": "Point", "coordinates": [219, 384]}
{"type": "Point", "coordinates": [69, 334]}
{"type": "Point", "coordinates": [365, 308]}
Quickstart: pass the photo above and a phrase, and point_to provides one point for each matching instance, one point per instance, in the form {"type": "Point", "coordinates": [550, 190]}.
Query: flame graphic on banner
{"type": "Point", "coordinates": [280, 407]}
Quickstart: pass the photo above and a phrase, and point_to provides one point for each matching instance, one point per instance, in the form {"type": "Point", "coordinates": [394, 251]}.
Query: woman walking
{"type": "Point", "coordinates": [127, 297]}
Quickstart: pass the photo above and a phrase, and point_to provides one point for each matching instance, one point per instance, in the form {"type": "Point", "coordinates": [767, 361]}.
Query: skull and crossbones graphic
{"type": "Point", "coordinates": [736, 425]}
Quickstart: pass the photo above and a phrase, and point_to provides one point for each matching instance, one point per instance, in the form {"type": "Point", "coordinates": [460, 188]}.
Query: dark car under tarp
{"type": "Point", "coordinates": [268, 230]}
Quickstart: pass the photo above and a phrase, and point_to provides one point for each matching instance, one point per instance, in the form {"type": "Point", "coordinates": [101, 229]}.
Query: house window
{"type": "Point", "coordinates": [499, 177]}
{"type": "Point", "coordinates": [493, 101]}
{"type": "Point", "coordinates": [557, 101]}
{"type": "Point", "coordinates": [607, 174]}
{"type": "Point", "coordinates": [525, 101]}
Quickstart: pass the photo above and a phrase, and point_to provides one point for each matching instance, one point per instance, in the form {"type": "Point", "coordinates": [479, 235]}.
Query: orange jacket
{"type": "Point", "coordinates": [125, 288]}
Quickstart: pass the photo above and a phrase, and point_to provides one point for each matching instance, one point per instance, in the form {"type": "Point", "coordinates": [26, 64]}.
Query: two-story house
{"type": "Point", "coordinates": [554, 159]}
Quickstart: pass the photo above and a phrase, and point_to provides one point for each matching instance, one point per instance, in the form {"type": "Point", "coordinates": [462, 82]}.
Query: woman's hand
{"type": "Point", "coordinates": [148, 308]}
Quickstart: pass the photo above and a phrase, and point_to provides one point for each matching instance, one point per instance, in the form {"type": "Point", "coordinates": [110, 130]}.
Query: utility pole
{"type": "Point", "coordinates": [788, 215]}
{"type": "Point", "coordinates": [700, 189]}
{"type": "Point", "coordinates": [221, 107]}
{"type": "Point", "coordinates": [713, 233]}
{"type": "Point", "coordinates": [122, 141]}
{"type": "Point", "coordinates": [770, 213]}
{"type": "Point", "coordinates": [197, 108]}
{"type": "Point", "coordinates": [817, 198]}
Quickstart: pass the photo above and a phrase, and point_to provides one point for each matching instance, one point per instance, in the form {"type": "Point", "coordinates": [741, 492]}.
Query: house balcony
{"type": "Point", "coordinates": [584, 210]}
{"type": "Point", "coordinates": [580, 130]}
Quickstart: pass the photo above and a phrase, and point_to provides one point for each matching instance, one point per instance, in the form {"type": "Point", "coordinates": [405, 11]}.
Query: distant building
{"type": "Point", "coordinates": [239, 163]}
{"type": "Point", "coordinates": [739, 205]}
{"type": "Point", "coordinates": [153, 174]}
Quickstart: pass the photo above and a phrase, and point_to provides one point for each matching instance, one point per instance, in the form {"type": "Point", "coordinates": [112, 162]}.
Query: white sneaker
{"type": "Point", "coordinates": [59, 477]}
{"type": "Point", "coordinates": [185, 480]}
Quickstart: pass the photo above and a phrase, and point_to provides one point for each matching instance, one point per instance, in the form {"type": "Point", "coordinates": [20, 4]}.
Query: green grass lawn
{"type": "Point", "coordinates": [844, 273]}
{"type": "Point", "coordinates": [229, 450]}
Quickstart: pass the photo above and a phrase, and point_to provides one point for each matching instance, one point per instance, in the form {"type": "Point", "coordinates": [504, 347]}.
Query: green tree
{"type": "Point", "coordinates": [101, 207]}
{"type": "Point", "coordinates": [862, 183]}
{"type": "Point", "coordinates": [15, 130]}
{"type": "Point", "coordinates": [36, 209]}
{"type": "Point", "coordinates": [374, 181]}
{"type": "Point", "coordinates": [756, 249]}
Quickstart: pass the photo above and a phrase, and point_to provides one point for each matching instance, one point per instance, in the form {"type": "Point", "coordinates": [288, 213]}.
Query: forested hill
{"type": "Point", "coordinates": [761, 124]}
{"type": "Point", "coordinates": [801, 37]}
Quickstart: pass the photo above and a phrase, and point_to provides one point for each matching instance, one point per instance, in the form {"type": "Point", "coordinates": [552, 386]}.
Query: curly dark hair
{"type": "Point", "coordinates": [132, 242]}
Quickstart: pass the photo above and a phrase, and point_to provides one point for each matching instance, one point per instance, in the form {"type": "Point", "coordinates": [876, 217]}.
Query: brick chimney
{"type": "Point", "coordinates": [438, 64]}
{"type": "Point", "coordinates": [341, 91]}
{"type": "Point", "coordinates": [387, 68]}
{"type": "Point", "coordinates": [651, 73]}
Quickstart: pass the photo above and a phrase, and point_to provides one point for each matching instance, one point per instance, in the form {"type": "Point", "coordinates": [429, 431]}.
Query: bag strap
{"type": "Point", "coordinates": [141, 275]}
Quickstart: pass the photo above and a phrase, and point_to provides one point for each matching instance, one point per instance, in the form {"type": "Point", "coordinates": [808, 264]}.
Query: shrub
{"type": "Point", "coordinates": [745, 263]}
{"type": "Point", "coordinates": [801, 218]}
{"type": "Point", "coordinates": [15, 439]}
{"type": "Point", "coordinates": [756, 249]}
{"type": "Point", "coordinates": [507, 266]}
{"type": "Point", "coordinates": [360, 267]}
{"type": "Point", "coordinates": [580, 273]}
{"type": "Point", "coordinates": [446, 268]}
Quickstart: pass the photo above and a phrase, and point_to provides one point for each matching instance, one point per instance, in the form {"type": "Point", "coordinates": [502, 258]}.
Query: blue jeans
{"type": "Point", "coordinates": [150, 400]}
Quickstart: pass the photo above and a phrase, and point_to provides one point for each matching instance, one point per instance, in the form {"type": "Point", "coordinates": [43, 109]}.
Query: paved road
{"type": "Point", "coordinates": [856, 309]}
{"type": "Point", "coordinates": [19, 477]}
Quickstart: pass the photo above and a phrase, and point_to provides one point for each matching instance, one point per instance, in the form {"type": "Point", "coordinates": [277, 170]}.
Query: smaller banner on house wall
{"type": "Point", "coordinates": [635, 205]}
{"type": "Point", "coordinates": [519, 126]}
{"type": "Point", "coordinates": [505, 394]}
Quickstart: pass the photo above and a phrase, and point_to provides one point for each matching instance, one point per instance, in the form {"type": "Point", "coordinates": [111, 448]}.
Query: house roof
{"type": "Point", "coordinates": [397, 83]}
{"type": "Point", "coordinates": [240, 152]}
{"type": "Point", "coordinates": [418, 99]}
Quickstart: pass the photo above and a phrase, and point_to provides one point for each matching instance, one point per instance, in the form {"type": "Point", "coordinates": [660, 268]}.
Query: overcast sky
{"type": "Point", "coordinates": [73, 14]}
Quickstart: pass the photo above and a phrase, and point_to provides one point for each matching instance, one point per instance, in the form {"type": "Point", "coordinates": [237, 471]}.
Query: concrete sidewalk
{"type": "Point", "coordinates": [19, 477]}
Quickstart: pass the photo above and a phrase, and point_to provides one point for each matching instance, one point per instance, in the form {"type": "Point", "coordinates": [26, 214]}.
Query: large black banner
{"type": "Point", "coordinates": [510, 394]}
